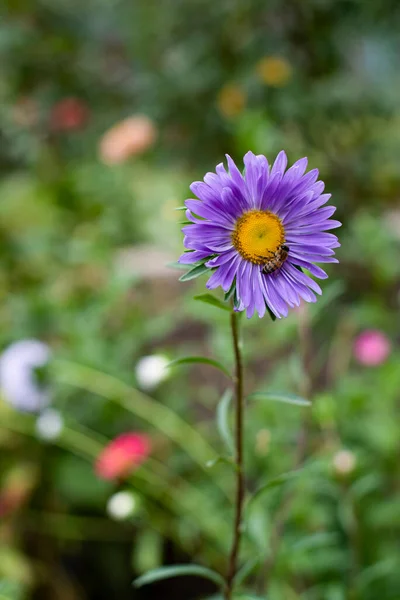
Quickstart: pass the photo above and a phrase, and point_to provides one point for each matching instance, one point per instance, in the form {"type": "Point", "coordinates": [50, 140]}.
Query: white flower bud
{"type": "Point", "coordinates": [122, 505]}
{"type": "Point", "coordinates": [151, 371]}
{"type": "Point", "coordinates": [344, 462]}
{"type": "Point", "coordinates": [49, 424]}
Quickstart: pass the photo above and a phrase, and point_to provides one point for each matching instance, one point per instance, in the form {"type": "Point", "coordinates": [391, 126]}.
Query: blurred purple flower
{"type": "Point", "coordinates": [371, 347]}
{"type": "Point", "coordinates": [265, 216]}
{"type": "Point", "coordinates": [18, 381]}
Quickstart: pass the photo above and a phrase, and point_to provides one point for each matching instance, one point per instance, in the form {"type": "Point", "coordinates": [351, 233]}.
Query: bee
{"type": "Point", "coordinates": [276, 260]}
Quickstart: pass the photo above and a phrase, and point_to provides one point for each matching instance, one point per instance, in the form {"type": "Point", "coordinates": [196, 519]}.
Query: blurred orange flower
{"type": "Point", "coordinates": [129, 137]}
{"type": "Point", "coordinates": [231, 100]}
{"type": "Point", "coordinates": [25, 112]}
{"type": "Point", "coordinates": [274, 70]}
{"type": "Point", "coordinates": [122, 455]}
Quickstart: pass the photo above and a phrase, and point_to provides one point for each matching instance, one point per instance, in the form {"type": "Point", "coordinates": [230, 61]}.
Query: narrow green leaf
{"type": "Point", "coordinates": [199, 359]}
{"type": "Point", "coordinates": [178, 571]}
{"type": "Point", "coordinates": [230, 293]}
{"type": "Point", "coordinates": [210, 299]}
{"type": "Point", "coordinates": [193, 273]}
{"type": "Point", "coordinates": [176, 265]}
{"type": "Point", "coordinates": [277, 397]}
{"type": "Point", "coordinates": [223, 420]}
{"type": "Point", "coordinates": [181, 208]}
{"type": "Point", "coordinates": [221, 459]}
{"type": "Point", "coordinates": [272, 483]}
{"type": "Point", "coordinates": [316, 540]}
{"type": "Point", "coordinates": [246, 570]}
{"type": "Point", "coordinates": [271, 314]}
{"type": "Point", "coordinates": [379, 570]}
{"type": "Point", "coordinates": [365, 485]}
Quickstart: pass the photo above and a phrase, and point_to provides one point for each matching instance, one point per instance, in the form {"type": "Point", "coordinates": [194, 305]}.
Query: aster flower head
{"type": "Point", "coordinates": [258, 230]}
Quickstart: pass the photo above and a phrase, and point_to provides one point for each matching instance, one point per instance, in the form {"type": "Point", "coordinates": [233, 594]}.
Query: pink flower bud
{"type": "Point", "coordinates": [371, 347]}
{"type": "Point", "coordinates": [122, 455]}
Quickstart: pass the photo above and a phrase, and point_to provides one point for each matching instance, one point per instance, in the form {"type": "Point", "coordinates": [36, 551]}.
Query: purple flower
{"type": "Point", "coordinates": [259, 230]}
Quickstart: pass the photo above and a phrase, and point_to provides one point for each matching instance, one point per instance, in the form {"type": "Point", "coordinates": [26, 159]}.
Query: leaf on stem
{"type": "Point", "coordinates": [271, 484]}
{"type": "Point", "coordinates": [210, 299]}
{"type": "Point", "coordinates": [176, 265]}
{"type": "Point", "coordinates": [221, 459]}
{"type": "Point", "coordinates": [199, 359]}
{"type": "Point", "coordinates": [271, 314]}
{"type": "Point", "coordinates": [223, 421]}
{"type": "Point", "coordinates": [179, 571]}
{"type": "Point", "coordinates": [246, 570]}
{"type": "Point", "coordinates": [278, 397]}
{"type": "Point", "coordinates": [195, 272]}
{"type": "Point", "coordinates": [231, 292]}
{"type": "Point", "coordinates": [249, 597]}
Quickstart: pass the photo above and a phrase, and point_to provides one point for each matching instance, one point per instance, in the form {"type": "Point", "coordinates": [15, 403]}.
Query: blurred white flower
{"type": "Point", "coordinates": [49, 424]}
{"type": "Point", "coordinates": [18, 381]}
{"type": "Point", "coordinates": [151, 370]}
{"type": "Point", "coordinates": [344, 462]}
{"type": "Point", "coordinates": [122, 505]}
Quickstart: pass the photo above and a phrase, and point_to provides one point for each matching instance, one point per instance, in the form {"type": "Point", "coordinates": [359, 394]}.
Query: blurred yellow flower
{"type": "Point", "coordinates": [231, 100]}
{"type": "Point", "coordinates": [127, 138]}
{"type": "Point", "coordinates": [274, 70]}
{"type": "Point", "coordinates": [263, 441]}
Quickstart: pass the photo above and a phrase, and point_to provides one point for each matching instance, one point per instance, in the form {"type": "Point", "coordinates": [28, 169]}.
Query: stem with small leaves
{"type": "Point", "coordinates": [240, 481]}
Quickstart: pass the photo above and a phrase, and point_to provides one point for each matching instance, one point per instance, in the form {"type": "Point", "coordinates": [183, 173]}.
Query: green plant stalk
{"type": "Point", "coordinates": [156, 414]}
{"type": "Point", "coordinates": [182, 499]}
{"type": "Point", "coordinates": [240, 482]}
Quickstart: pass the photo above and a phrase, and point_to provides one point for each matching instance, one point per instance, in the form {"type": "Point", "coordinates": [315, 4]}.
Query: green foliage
{"type": "Point", "coordinates": [10, 590]}
{"type": "Point", "coordinates": [84, 244]}
{"type": "Point", "coordinates": [210, 299]}
{"type": "Point", "coordinates": [195, 272]}
{"type": "Point", "coordinates": [188, 360]}
{"type": "Point", "coordinates": [276, 397]}
{"type": "Point", "coordinates": [179, 571]}
{"type": "Point", "coordinates": [223, 424]}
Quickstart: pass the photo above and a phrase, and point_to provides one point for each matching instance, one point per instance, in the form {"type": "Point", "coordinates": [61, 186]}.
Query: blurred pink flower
{"type": "Point", "coordinates": [127, 138]}
{"type": "Point", "coordinates": [371, 347]}
{"type": "Point", "coordinates": [69, 114]}
{"type": "Point", "coordinates": [122, 455]}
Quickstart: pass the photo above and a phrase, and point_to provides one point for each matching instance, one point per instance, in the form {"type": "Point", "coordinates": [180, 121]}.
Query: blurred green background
{"type": "Point", "coordinates": [109, 109]}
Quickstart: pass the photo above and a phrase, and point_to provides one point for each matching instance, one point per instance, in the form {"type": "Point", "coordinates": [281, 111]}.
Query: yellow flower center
{"type": "Point", "coordinates": [258, 234]}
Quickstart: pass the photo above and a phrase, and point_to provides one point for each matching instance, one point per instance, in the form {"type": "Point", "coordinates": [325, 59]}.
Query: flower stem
{"type": "Point", "coordinates": [238, 380]}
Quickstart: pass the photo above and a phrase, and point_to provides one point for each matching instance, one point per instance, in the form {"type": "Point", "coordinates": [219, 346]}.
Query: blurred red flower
{"type": "Point", "coordinates": [122, 455]}
{"type": "Point", "coordinates": [69, 114]}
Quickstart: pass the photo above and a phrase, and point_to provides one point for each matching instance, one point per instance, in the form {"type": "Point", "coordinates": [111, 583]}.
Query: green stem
{"type": "Point", "coordinates": [238, 379]}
